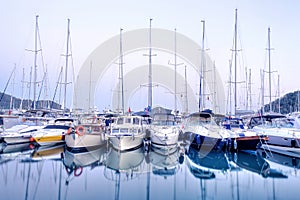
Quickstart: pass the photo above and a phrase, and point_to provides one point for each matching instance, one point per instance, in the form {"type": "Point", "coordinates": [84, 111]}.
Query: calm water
{"type": "Point", "coordinates": [186, 173]}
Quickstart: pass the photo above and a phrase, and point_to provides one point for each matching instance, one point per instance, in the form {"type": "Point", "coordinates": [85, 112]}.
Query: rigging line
{"type": "Point", "coordinates": [73, 68]}
{"type": "Point", "coordinates": [244, 60]}
{"type": "Point", "coordinates": [40, 43]}
{"type": "Point", "coordinates": [7, 83]}
{"type": "Point", "coordinates": [58, 82]}
{"type": "Point", "coordinates": [41, 88]}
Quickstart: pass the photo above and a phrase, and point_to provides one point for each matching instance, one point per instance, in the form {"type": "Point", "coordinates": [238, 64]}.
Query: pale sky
{"type": "Point", "coordinates": [95, 21]}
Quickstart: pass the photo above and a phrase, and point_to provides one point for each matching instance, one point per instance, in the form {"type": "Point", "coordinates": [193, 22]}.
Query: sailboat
{"type": "Point", "coordinates": [164, 127]}
{"type": "Point", "coordinates": [283, 137]}
{"type": "Point", "coordinates": [241, 137]}
{"type": "Point", "coordinates": [164, 131]}
{"type": "Point", "coordinates": [128, 131]}
{"type": "Point", "coordinates": [200, 128]}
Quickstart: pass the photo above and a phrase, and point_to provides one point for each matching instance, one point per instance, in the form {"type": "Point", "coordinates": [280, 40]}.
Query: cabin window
{"type": "Point", "coordinates": [120, 121]}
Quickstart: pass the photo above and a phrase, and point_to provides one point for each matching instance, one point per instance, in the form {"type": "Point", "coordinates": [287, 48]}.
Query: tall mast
{"type": "Point", "coordinates": [235, 59]}
{"type": "Point", "coordinates": [175, 63]}
{"type": "Point", "coordinates": [278, 94]}
{"type": "Point", "coordinates": [35, 60]}
{"type": "Point", "coordinates": [203, 66]}
{"type": "Point", "coordinates": [186, 95]}
{"type": "Point", "coordinates": [66, 69]}
{"type": "Point", "coordinates": [29, 92]}
{"type": "Point", "coordinates": [121, 72]}
{"type": "Point", "coordinates": [150, 68]}
{"type": "Point", "coordinates": [175, 69]}
{"type": "Point", "coordinates": [230, 89]}
{"type": "Point", "coordinates": [269, 52]}
{"type": "Point", "coordinates": [202, 71]}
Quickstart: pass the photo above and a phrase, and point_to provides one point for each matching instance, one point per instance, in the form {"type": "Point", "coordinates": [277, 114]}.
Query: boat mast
{"type": "Point", "coordinates": [269, 52]}
{"type": "Point", "coordinates": [175, 64]}
{"type": "Point", "coordinates": [250, 92]}
{"type": "Point", "coordinates": [66, 69]}
{"type": "Point", "coordinates": [235, 59]}
{"type": "Point", "coordinates": [29, 92]}
{"type": "Point", "coordinates": [230, 89]}
{"type": "Point", "coordinates": [150, 69]}
{"type": "Point", "coordinates": [186, 95]}
{"type": "Point", "coordinates": [35, 65]}
{"type": "Point", "coordinates": [202, 82]}
{"type": "Point", "coordinates": [278, 94]}
{"type": "Point", "coordinates": [121, 78]}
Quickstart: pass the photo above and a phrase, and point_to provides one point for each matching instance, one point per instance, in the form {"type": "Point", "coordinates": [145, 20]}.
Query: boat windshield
{"type": "Point", "coordinates": [200, 120]}
{"type": "Point", "coordinates": [134, 120]}
{"type": "Point", "coordinates": [64, 127]}
{"type": "Point", "coordinates": [282, 123]}
{"type": "Point", "coordinates": [164, 120]}
{"type": "Point", "coordinates": [163, 123]}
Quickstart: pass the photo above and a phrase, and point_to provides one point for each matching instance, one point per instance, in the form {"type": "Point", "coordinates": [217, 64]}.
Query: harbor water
{"type": "Point", "coordinates": [29, 172]}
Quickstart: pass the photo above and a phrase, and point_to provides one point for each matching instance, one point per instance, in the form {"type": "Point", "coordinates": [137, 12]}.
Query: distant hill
{"type": "Point", "coordinates": [6, 99]}
{"type": "Point", "coordinates": [288, 104]}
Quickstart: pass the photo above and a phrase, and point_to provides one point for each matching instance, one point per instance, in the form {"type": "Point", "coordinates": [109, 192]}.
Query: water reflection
{"type": "Point", "coordinates": [75, 162]}
{"type": "Point", "coordinates": [212, 159]}
{"type": "Point", "coordinates": [254, 162]}
{"type": "Point", "coordinates": [203, 164]}
{"type": "Point", "coordinates": [288, 164]}
{"type": "Point", "coordinates": [165, 163]}
{"type": "Point", "coordinates": [181, 173]}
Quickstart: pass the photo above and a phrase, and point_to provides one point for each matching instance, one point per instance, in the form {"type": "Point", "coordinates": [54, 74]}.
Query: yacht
{"type": "Point", "coordinates": [282, 135]}
{"type": "Point", "coordinates": [201, 130]}
{"type": "Point", "coordinates": [53, 133]}
{"type": "Point", "coordinates": [241, 136]}
{"type": "Point", "coordinates": [127, 132]}
{"type": "Point", "coordinates": [88, 134]}
{"type": "Point", "coordinates": [164, 130]}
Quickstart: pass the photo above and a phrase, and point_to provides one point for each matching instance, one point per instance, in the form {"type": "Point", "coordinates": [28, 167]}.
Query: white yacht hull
{"type": "Point", "coordinates": [126, 142]}
{"type": "Point", "coordinates": [285, 137]}
{"type": "Point", "coordinates": [17, 139]}
{"type": "Point", "coordinates": [164, 136]}
{"type": "Point", "coordinates": [75, 141]}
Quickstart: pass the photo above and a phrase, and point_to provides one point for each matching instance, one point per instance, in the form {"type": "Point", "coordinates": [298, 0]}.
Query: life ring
{"type": "Point", "coordinates": [78, 173]}
{"type": "Point", "coordinates": [80, 130]}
